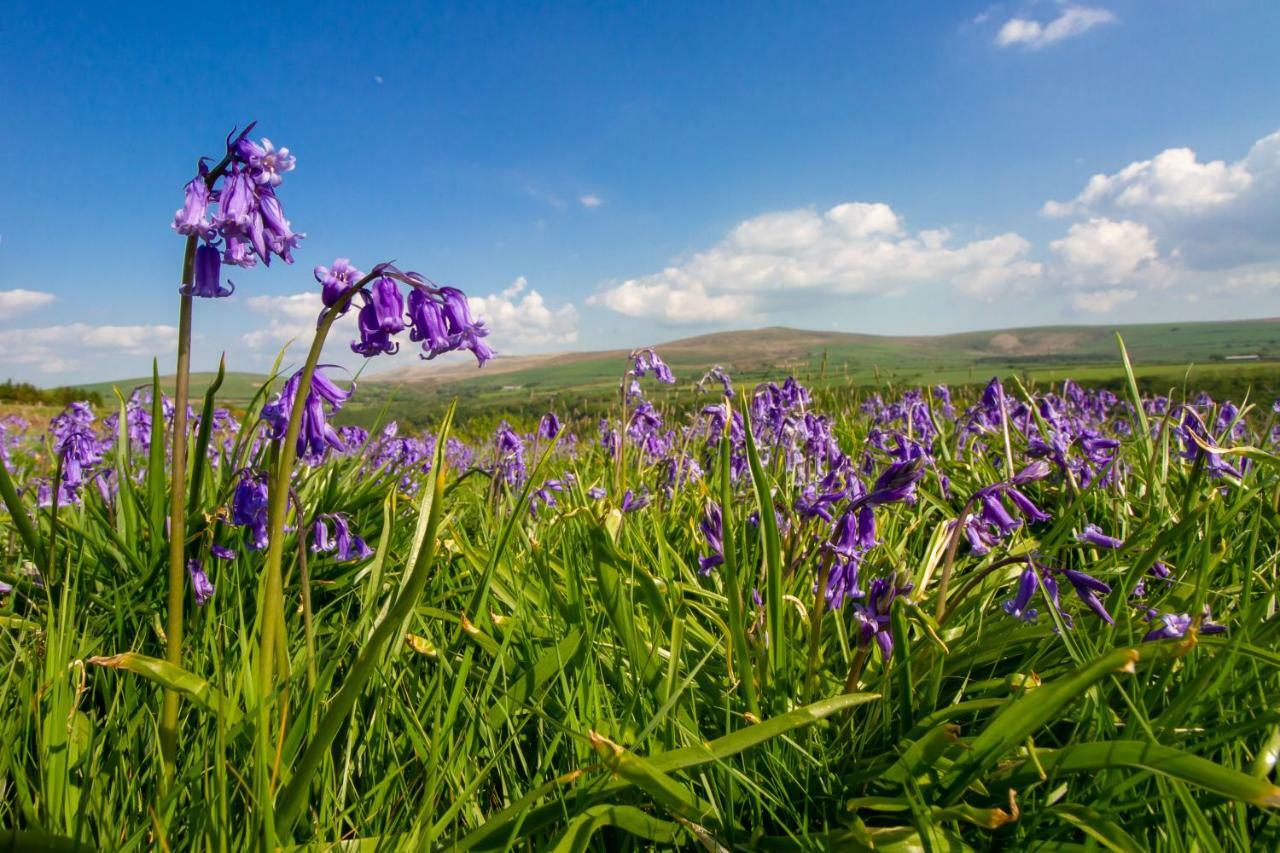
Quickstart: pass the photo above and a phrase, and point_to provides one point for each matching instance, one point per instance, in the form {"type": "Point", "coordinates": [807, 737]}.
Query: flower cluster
{"type": "Point", "coordinates": [342, 543]}
{"type": "Point", "coordinates": [315, 434]}
{"type": "Point", "coordinates": [235, 213]}
{"type": "Point", "coordinates": [439, 318]}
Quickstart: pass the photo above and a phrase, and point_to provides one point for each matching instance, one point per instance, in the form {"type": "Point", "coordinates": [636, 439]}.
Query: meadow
{"type": "Point", "coordinates": [1025, 615]}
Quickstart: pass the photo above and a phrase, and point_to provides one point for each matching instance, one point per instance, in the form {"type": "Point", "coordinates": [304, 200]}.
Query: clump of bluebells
{"type": "Point", "coordinates": [439, 318]}
{"type": "Point", "coordinates": [234, 213]}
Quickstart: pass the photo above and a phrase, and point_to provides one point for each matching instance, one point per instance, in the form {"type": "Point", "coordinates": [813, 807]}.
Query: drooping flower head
{"type": "Point", "coordinates": [249, 507]}
{"type": "Point", "coordinates": [646, 360]}
{"type": "Point", "coordinates": [549, 426]}
{"type": "Point", "coordinates": [233, 209]}
{"type": "Point", "coordinates": [336, 280]}
{"type": "Point", "coordinates": [1093, 535]}
{"type": "Point", "coordinates": [316, 435]}
{"type": "Point", "coordinates": [345, 544]}
{"type": "Point", "coordinates": [201, 586]}
{"type": "Point", "coordinates": [712, 527]}
{"type": "Point", "coordinates": [208, 271]}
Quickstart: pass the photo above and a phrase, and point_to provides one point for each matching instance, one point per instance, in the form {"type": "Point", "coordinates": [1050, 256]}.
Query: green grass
{"type": "Point", "coordinates": [493, 679]}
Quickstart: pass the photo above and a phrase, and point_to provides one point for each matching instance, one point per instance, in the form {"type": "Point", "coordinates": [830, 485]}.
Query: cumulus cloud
{"type": "Point", "coordinates": [1172, 182]}
{"type": "Point", "coordinates": [14, 302]}
{"type": "Point", "coordinates": [1102, 301]}
{"type": "Point", "coordinates": [1251, 283]}
{"type": "Point", "coordinates": [857, 248]}
{"type": "Point", "coordinates": [519, 317]}
{"type": "Point", "coordinates": [1103, 251]}
{"type": "Point", "coordinates": [590, 200]}
{"type": "Point", "coordinates": [1033, 35]}
{"type": "Point", "coordinates": [293, 316]}
{"type": "Point", "coordinates": [1216, 214]}
{"type": "Point", "coordinates": [1174, 220]}
{"type": "Point", "coordinates": [53, 349]}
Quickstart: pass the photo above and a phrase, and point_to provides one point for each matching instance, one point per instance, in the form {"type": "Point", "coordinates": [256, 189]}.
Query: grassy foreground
{"type": "Point", "coordinates": [522, 662]}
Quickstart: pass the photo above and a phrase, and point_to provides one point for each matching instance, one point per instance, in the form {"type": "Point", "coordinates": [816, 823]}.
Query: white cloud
{"type": "Point", "coordinates": [1103, 251]}
{"type": "Point", "coordinates": [1172, 182]}
{"type": "Point", "coordinates": [590, 200]}
{"type": "Point", "coordinates": [1252, 283]}
{"type": "Point", "coordinates": [14, 302]}
{"type": "Point", "coordinates": [526, 321]}
{"type": "Point", "coordinates": [53, 349]}
{"type": "Point", "coordinates": [856, 248]}
{"type": "Point", "coordinates": [294, 316]}
{"type": "Point", "coordinates": [1102, 301]}
{"type": "Point", "coordinates": [1209, 216]}
{"type": "Point", "coordinates": [1033, 35]}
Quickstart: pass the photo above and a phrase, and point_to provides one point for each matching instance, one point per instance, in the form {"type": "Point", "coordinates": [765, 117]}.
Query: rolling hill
{"type": "Point", "coordinates": [1242, 353]}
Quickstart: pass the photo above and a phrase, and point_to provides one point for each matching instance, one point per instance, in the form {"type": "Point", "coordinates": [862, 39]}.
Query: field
{"type": "Point", "coordinates": [1025, 614]}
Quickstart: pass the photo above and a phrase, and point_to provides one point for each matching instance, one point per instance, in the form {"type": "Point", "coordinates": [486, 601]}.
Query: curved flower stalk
{"type": "Point", "coordinates": [230, 214]}
{"type": "Point", "coordinates": [298, 419]}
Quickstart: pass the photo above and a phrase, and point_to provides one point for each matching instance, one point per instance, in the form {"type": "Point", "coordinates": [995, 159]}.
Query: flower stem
{"type": "Point", "coordinates": [177, 521]}
{"type": "Point", "coordinates": [815, 625]}
{"type": "Point", "coordinates": [277, 510]}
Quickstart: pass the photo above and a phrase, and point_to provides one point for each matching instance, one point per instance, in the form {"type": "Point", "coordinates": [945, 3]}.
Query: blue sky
{"type": "Point", "coordinates": [597, 177]}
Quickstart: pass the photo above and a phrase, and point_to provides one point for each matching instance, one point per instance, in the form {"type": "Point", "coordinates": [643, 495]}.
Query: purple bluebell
{"type": "Point", "coordinates": [712, 527]}
{"type": "Point", "coordinates": [897, 483]}
{"type": "Point", "coordinates": [646, 360]}
{"type": "Point", "coordinates": [249, 507]}
{"type": "Point", "coordinates": [316, 434]}
{"type": "Point", "coordinates": [388, 305]}
{"type": "Point", "coordinates": [1036, 470]}
{"type": "Point", "coordinates": [549, 426]}
{"type": "Point", "coordinates": [1089, 588]}
{"type": "Point", "coordinates": [201, 586]}
{"type": "Point", "coordinates": [193, 219]}
{"type": "Point", "coordinates": [1019, 607]}
{"type": "Point", "coordinates": [631, 501]}
{"type": "Point", "coordinates": [343, 543]}
{"type": "Point", "coordinates": [374, 340]}
{"type": "Point", "coordinates": [336, 280]}
{"type": "Point", "coordinates": [1171, 626]}
{"type": "Point", "coordinates": [267, 164]}
{"type": "Point", "coordinates": [208, 274]}
{"type": "Point", "coordinates": [509, 466]}
{"type": "Point", "coordinates": [1026, 507]}
{"type": "Point", "coordinates": [429, 326]}
{"type": "Point", "coordinates": [716, 374]}
{"type": "Point", "coordinates": [1093, 535]}
{"type": "Point", "coordinates": [222, 552]}
{"type": "Point", "coordinates": [464, 332]}
{"type": "Point", "coordinates": [873, 616]}
{"type": "Point", "coordinates": [350, 546]}
{"type": "Point", "coordinates": [280, 238]}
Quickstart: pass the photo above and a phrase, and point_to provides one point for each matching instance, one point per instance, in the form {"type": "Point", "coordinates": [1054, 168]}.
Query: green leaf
{"type": "Point", "coordinates": [577, 837]}
{"type": "Point", "coordinates": [525, 685]}
{"type": "Point", "coordinates": [772, 549]}
{"type": "Point", "coordinates": [1106, 832]}
{"type": "Point", "coordinates": [1028, 713]}
{"type": "Point", "coordinates": [673, 796]}
{"type": "Point", "coordinates": [1153, 758]}
{"type": "Point", "coordinates": [173, 677]}
{"type": "Point", "coordinates": [199, 455]}
{"type": "Point", "coordinates": [732, 585]}
{"type": "Point", "coordinates": [156, 481]}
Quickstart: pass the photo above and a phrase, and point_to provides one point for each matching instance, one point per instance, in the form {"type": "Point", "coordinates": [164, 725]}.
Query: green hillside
{"type": "Point", "coordinates": [584, 382]}
{"type": "Point", "coordinates": [237, 388]}
{"type": "Point", "coordinates": [1161, 354]}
